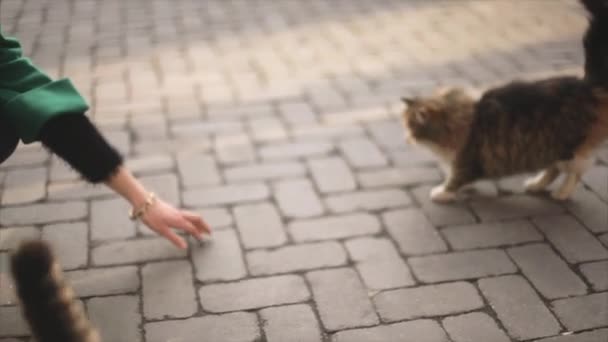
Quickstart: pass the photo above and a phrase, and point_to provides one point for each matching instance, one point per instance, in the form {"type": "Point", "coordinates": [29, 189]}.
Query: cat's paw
{"type": "Point", "coordinates": [440, 195]}
{"type": "Point", "coordinates": [560, 195]}
{"type": "Point", "coordinates": [533, 185]}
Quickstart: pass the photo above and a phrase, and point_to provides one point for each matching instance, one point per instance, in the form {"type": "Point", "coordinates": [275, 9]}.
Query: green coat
{"type": "Point", "coordinates": [28, 97]}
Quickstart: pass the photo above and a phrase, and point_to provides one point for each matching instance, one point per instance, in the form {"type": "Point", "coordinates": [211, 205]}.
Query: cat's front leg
{"type": "Point", "coordinates": [542, 180]}
{"type": "Point", "coordinates": [447, 192]}
{"type": "Point", "coordinates": [440, 194]}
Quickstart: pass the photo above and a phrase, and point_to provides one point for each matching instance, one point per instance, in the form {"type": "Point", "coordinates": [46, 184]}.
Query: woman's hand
{"type": "Point", "coordinates": [162, 218]}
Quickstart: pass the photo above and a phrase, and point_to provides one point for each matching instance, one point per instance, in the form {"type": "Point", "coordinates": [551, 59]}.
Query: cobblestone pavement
{"type": "Point", "coordinates": [278, 121]}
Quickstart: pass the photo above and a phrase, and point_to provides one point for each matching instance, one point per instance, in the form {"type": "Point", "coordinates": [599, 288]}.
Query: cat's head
{"type": "Point", "coordinates": [437, 119]}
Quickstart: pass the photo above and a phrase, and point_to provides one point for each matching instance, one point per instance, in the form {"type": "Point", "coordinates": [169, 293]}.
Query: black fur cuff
{"type": "Point", "coordinates": [76, 140]}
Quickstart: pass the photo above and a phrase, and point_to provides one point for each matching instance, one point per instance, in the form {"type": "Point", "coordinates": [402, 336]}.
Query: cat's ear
{"type": "Point", "coordinates": [409, 101]}
{"type": "Point", "coordinates": [420, 117]}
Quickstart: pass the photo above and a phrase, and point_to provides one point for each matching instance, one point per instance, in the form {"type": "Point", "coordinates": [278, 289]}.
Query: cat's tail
{"type": "Point", "coordinates": [595, 42]}
{"type": "Point", "coordinates": [48, 303]}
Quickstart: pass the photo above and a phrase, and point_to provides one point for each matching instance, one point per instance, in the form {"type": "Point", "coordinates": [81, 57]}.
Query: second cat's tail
{"type": "Point", "coordinates": [48, 303]}
{"type": "Point", "coordinates": [595, 43]}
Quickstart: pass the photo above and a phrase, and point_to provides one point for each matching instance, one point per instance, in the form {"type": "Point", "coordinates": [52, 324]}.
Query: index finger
{"type": "Point", "coordinates": [198, 222]}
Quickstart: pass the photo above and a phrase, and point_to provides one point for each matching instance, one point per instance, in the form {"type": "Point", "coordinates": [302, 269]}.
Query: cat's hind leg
{"type": "Point", "coordinates": [567, 187]}
{"type": "Point", "coordinates": [542, 180]}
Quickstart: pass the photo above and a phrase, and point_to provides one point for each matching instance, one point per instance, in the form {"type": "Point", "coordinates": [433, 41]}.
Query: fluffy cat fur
{"type": "Point", "coordinates": [550, 126]}
{"type": "Point", "coordinates": [48, 303]}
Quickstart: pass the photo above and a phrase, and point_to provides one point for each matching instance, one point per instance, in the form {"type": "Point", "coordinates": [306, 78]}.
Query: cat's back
{"type": "Point", "coordinates": [548, 95]}
{"type": "Point", "coordinates": [524, 126]}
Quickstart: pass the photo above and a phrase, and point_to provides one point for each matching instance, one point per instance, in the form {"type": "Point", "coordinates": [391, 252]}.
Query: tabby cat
{"type": "Point", "coordinates": [550, 126]}
{"type": "Point", "coordinates": [48, 303]}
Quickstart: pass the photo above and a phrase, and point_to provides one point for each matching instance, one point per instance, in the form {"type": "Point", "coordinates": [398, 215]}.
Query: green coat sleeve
{"type": "Point", "coordinates": [28, 97]}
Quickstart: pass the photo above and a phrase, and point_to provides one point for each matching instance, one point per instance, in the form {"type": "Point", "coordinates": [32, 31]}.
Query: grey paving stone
{"type": "Point", "coordinates": [297, 113]}
{"type": "Point", "coordinates": [207, 128]}
{"type": "Point", "coordinates": [291, 323]}
{"type": "Point", "coordinates": [216, 217]}
{"type": "Point", "coordinates": [253, 293]}
{"type": "Point", "coordinates": [198, 144]}
{"type": "Point", "coordinates": [42, 213]}
{"type": "Point", "coordinates": [412, 232]}
{"type": "Point", "coordinates": [10, 238]}
{"type": "Point", "coordinates": [513, 207]}
{"type": "Point", "coordinates": [104, 281]}
{"type": "Point", "coordinates": [26, 157]}
{"type": "Point", "coordinates": [571, 239]}
{"type": "Point", "coordinates": [604, 239]}
{"type": "Point", "coordinates": [233, 327]}
{"type": "Point", "coordinates": [117, 318]}
{"type": "Point", "coordinates": [298, 149]}
{"type": "Point", "coordinates": [234, 148]}
{"type": "Point", "coordinates": [361, 114]}
{"type": "Point", "coordinates": [60, 171]}
{"type": "Point", "coordinates": [391, 177]}
{"type": "Point", "coordinates": [332, 175]}
{"type": "Point", "coordinates": [119, 140]}
{"type": "Point", "coordinates": [7, 290]}
{"type": "Point", "coordinates": [267, 129]}
{"type": "Point", "coordinates": [241, 111]}
{"type": "Point", "coordinates": [412, 156]}
{"type": "Point", "coordinates": [589, 336]}
{"type": "Point", "coordinates": [224, 246]}
{"type": "Point", "coordinates": [296, 258]}
{"type": "Point", "coordinates": [549, 274]}
{"type": "Point", "coordinates": [134, 251]}
{"type": "Point", "coordinates": [197, 169]}
{"type": "Point", "coordinates": [333, 227]}
{"type": "Point", "coordinates": [519, 308]}
{"type": "Point", "coordinates": [222, 195]}
{"type": "Point", "coordinates": [461, 265]}
{"type": "Point", "coordinates": [414, 331]}
{"type": "Point", "coordinates": [12, 322]}
{"type": "Point", "coordinates": [24, 186]}
{"type": "Point", "coordinates": [259, 225]}
{"type": "Point", "coordinates": [265, 171]}
{"type": "Point", "coordinates": [326, 132]}
{"type": "Point", "coordinates": [69, 242]}
{"type": "Point", "coordinates": [168, 290]}
{"type": "Point", "coordinates": [589, 209]}
{"type": "Point", "coordinates": [379, 263]}
{"type": "Point", "coordinates": [582, 313]}
{"type": "Point", "coordinates": [596, 179]}
{"type": "Point", "coordinates": [368, 200]}
{"type": "Point", "coordinates": [494, 234]}
{"type": "Point", "coordinates": [597, 274]}
{"type": "Point", "coordinates": [442, 214]}
{"type": "Point", "coordinates": [474, 327]}
{"type": "Point", "coordinates": [427, 301]}
{"type": "Point", "coordinates": [143, 165]}
{"type": "Point", "coordinates": [75, 190]}
{"type": "Point", "coordinates": [110, 220]}
{"type": "Point", "coordinates": [297, 198]}
{"type": "Point", "coordinates": [164, 185]}
{"type": "Point", "coordinates": [361, 152]}
{"type": "Point", "coordinates": [341, 307]}
{"type": "Point", "coordinates": [389, 133]}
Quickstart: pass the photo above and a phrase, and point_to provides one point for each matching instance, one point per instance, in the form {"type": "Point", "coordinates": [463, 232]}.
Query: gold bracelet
{"type": "Point", "coordinates": [141, 211]}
